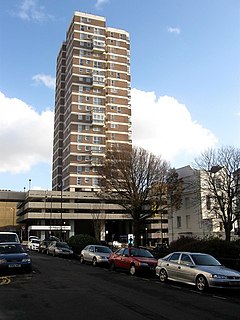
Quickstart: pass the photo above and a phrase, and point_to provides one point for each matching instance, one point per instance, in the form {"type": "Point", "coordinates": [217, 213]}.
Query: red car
{"type": "Point", "coordinates": [133, 260]}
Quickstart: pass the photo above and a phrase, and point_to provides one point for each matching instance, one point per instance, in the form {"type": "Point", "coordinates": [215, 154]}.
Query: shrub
{"type": "Point", "coordinates": [80, 241]}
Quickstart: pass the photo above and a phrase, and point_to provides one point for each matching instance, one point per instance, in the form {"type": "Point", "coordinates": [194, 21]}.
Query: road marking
{"type": "Point", "coordinates": [4, 280]}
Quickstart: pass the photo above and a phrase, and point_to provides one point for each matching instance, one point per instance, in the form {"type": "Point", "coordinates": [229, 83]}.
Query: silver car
{"type": "Point", "coordinates": [95, 254]}
{"type": "Point", "coordinates": [199, 269]}
{"type": "Point", "coordinates": [59, 249]}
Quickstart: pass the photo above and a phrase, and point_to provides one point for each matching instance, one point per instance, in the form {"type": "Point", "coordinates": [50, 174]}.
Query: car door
{"type": "Point", "coordinates": [89, 254]}
{"type": "Point", "coordinates": [186, 268]}
{"type": "Point", "coordinates": [118, 256]}
{"type": "Point", "coordinates": [125, 261]}
{"type": "Point", "coordinates": [171, 265]}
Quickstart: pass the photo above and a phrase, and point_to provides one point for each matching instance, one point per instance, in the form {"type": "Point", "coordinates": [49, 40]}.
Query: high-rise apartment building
{"type": "Point", "coordinates": [92, 101]}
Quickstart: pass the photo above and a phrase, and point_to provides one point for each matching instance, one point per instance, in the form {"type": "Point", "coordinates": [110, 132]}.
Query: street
{"type": "Point", "coordinates": [65, 289]}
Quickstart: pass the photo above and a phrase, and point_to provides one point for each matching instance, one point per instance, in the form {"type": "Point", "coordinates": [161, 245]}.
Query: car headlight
{"type": "Point", "coordinates": [100, 258]}
{"type": "Point", "coordinates": [3, 261]}
{"type": "Point", "coordinates": [26, 260]}
{"type": "Point", "coordinates": [219, 276]}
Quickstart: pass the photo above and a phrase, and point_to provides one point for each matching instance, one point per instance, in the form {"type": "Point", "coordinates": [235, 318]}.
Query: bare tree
{"type": "Point", "coordinates": [221, 184]}
{"type": "Point", "coordinates": [129, 176]}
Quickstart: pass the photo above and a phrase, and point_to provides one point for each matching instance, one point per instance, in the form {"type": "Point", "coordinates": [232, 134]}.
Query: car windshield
{"type": "Point", "coordinates": [11, 248]}
{"type": "Point", "coordinates": [62, 245]}
{"type": "Point", "coordinates": [205, 260]}
{"type": "Point", "coordinates": [35, 241]}
{"type": "Point", "coordinates": [140, 253]}
{"type": "Point", "coordinates": [8, 238]}
{"type": "Point", "coordinates": [103, 249]}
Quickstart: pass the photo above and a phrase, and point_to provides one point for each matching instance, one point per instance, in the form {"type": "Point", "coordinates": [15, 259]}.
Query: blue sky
{"type": "Point", "coordinates": [185, 76]}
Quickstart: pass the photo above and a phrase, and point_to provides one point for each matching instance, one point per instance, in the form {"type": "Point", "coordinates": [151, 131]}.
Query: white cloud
{"type": "Point", "coordinates": [30, 10]}
{"type": "Point", "coordinates": [99, 3]}
{"type": "Point", "coordinates": [174, 30]}
{"type": "Point", "coordinates": [47, 80]}
{"type": "Point", "coordinates": [164, 126]}
{"type": "Point", "coordinates": [25, 135]}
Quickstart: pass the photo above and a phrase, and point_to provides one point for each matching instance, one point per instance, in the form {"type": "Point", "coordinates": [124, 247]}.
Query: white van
{"type": "Point", "coordinates": [9, 237]}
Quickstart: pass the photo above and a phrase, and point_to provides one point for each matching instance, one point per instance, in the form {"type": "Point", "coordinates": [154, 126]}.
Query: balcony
{"type": "Point", "coordinates": [98, 46]}
{"type": "Point", "coordinates": [98, 119]}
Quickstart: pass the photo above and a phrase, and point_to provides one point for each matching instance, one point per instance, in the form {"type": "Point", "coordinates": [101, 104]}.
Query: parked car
{"type": "Point", "coordinates": [13, 256]}
{"type": "Point", "coordinates": [133, 260]}
{"type": "Point", "coordinates": [33, 244]}
{"type": "Point", "coordinates": [33, 237]}
{"type": "Point", "coordinates": [43, 245]}
{"type": "Point", "coordinates": [9, 237]}
{"type": "Point", "coordinates": [95, 254]}
{"type": "Point", "coordinates": [59, 249]}
{"type": "Point", "coordinates": [199, 269]}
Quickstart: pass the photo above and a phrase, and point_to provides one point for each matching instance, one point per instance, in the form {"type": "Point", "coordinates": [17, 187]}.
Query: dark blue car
{"type": "Point", "coordinates": [14, 257]}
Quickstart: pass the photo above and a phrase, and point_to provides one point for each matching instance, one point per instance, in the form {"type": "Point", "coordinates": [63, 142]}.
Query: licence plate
{"type": "Point", "coordinates": [15, 265]}
{"type": "Point", "coordinates": [234, 283]}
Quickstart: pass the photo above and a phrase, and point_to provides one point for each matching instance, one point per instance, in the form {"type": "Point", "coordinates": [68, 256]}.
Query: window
{"type": "Point", "coordinates": [87, 127]}
{"type": "Point", "coordinates": [87, 98]}
{"type": "Point", "coordinates": [87, 179]}
{"type": "Point", "coordinates": [208, 202]}
{"type": "Point", "coordinates": [87, 138]}
{"type": "Point", "coordinates": [79, 158]}
{"type": "Point", "coordinates": [79, 169]}
{"type": "Point", "coordinates": [87, 158]}
{"type": "Point", "coordinates": [82, 28]}
{"type": "Point", "coordinates": [87, 169]}
{"type": "Point", "coordinates": [88, 108]}
{"type": "Point", "coordinates": [80, 139]}
{"type": "Point", "coordinates": [79, 180]}
{"type": "Point", "coordinates": [119, 109]}
{"type": "Point", "coordinates": [97, 101]}
{"type": "Point", "coordinates": [179, 222]}
{"type": "Point", "coordinates": [188, 221]}
{"type": "Point", "coordinates": [79, 127]}
{"type": "Point", "coordinates": [174, 257]}
{"type": "Point", "coordinates": [95, 181]}
{"type": "Point", "coordinates": [185, 259]}
{"type": "Point", "coordinates": [97, 140]}
{"type": "Point", "coordinates": [118, 75]}
{"type": "Point", "coordinates": [88, 118]}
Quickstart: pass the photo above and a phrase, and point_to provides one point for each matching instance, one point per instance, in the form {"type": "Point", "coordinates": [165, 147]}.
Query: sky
{"type": "Point", "coordinates": [185, 78]}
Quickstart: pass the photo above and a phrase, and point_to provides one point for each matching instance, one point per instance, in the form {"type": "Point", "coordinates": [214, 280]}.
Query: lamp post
{"type": "Point", "coordinates": [60, 186]}
{"type": "Point", "coordinates": [146, 229]}
{"type": "Point", "coordinates": [106, 236]}
{"type": "Point", "coordinates": [13, 220]}
{"type": "Point", "coordinates": [29, 184]}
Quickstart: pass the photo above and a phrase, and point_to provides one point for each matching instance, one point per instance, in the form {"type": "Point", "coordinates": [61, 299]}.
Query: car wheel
{"type": "Point", "coordinates": [94, 262]}
{"type": "Point", "coordinates": [82, 261]}
{"type": "Point", "coordinates": [163, 275]}
{"type": "Point", "coordinates": [112, 266]}
{"type": "Point", "coordinates": [132, 270]}
{"type": "Point", "coordinates": [201, 283]}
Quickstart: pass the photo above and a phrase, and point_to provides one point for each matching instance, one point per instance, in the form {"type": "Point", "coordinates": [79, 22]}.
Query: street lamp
{"type": "Point", "coordinates": [29, 184]}
{"type": "Point", "coordinates": [106, 236]}
{"type": "Point", "coordinates": [13, 220]}
{"type": "Point", "coordinates": [146, 229]}
{"type": "Point", "coordinates": [60, 186]}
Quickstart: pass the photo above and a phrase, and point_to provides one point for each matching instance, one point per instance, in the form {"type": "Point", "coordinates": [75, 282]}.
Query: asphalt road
{"type": "Point", "coordinates": [64, 289]}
